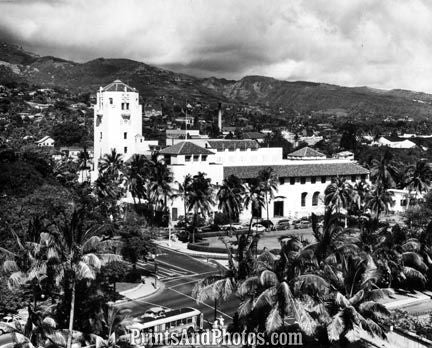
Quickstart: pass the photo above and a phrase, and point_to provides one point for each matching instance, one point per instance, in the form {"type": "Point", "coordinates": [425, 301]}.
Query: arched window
{"type": "Point", "coordinates": [315, 198]}
{"type": "Point", "coordinates": [303, 199]}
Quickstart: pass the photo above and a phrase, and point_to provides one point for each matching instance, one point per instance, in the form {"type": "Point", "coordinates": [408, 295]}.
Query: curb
{"type": "Point", "coordinates": [202, 255]}
{"type": "Point", "coordinates": [127, 299]}
{"type": "Point", "coordinates": [405, 302]}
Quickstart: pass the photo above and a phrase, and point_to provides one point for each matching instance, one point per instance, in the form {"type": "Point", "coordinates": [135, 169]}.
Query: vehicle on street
{"type": "Point", "coordinates": [302, 224]}
{"type": "Point", "coordinates": [234, 226]}
{"type": "Point", "coordinates": [268, 224]}
{"type": "Point", "coordinates": [283, 224]}
{"type": "Point", "coordinates": [174, 321]}
{"type": "Point", "coordinates": [258, 227]}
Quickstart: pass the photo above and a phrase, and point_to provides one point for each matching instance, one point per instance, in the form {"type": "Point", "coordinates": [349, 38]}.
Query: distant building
{"type": "Point", "coordinates": [46, 141]}
{"type": "Point", "coordinates": [259, 137]}
{"type": "Point", "coordinates": [152, 111]}
{"type": "Point", "coordinates": [395, 143]}
{"type": "Point", "coordinates": [344, 155]}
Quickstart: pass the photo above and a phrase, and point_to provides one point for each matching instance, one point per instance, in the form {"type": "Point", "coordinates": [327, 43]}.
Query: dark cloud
{"type": "Point", "coordinates": [380, 43]}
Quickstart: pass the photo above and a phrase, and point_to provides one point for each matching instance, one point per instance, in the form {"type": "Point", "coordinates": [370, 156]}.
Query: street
{"type": "Point", "coordinates": [180, 272]}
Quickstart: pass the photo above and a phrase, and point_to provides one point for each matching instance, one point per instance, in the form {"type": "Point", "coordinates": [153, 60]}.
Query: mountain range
{"type": "Point", "coordinates": [263, 93]}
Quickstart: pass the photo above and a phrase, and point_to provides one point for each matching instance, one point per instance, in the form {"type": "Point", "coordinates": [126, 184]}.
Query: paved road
{"type": "Point", "coordinates": [6, 340]}
{"type": "Point", "coordinates": [180, 273]}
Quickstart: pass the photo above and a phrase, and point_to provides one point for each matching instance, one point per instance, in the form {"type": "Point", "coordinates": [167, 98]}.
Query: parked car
{"type": "Point", "coordinates": [234, 226]}
{"type": "Point", "coordinates": [268, 224]}
{"type": "Point", "coordinates": [283, 224]}
{"type": "Point", "coordinates": [258, 227]}
{"type": "Point", "coordinates": [301, 224]}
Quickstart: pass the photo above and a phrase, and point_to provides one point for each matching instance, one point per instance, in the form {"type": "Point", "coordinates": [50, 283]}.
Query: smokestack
{"type": "Point", "coordinates": [220, 117]}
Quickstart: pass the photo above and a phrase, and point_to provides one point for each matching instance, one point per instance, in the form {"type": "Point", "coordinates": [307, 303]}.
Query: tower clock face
{"type": "Point", "coordinates": [125, 97]}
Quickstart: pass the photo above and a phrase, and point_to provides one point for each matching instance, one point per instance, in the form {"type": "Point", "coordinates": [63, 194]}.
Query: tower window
{"type": "Point", "coordinates": [292, 181]}
{"type": "Point", "coordinates": [188, 158]}
{"type": "Point", "coordinates": [125, 135]}
{"type": "Point", "coordinates": [127, 106]}
{"type": "Point", "coordinates": [100, 135]}
{"type": "Point", "coordinates": [122, 106]}
{"type": "Point", "coordinates": [313, 180]}
{"type": "Point", "coordinates": [302, 180]}
{"type": "Point", "coordinates": [125, 149]}
{"type": "Point", "coordinates": [110, 100]}
{"type": "Point", "coordinates": [323, 179]}
{"type": "Point", "coordinates": [204, 158]}
{"type": "Point", "coordinates": [196, 158]}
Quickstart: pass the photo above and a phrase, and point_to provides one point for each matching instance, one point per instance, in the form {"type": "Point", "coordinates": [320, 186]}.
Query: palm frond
{"type": "Point", "coordinates": [274, 320]}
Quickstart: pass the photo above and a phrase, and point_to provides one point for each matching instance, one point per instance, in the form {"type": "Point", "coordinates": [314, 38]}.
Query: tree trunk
{"type": "Point", "coordinates": [215, 309]}
{"type": "Point", "coordinates": [71, 316]}
{"type": "Point", "coordinates": [267, 206]}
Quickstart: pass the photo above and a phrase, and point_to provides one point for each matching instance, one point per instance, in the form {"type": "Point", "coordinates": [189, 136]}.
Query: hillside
{"type": "Point", "coordinates": [263, 93]}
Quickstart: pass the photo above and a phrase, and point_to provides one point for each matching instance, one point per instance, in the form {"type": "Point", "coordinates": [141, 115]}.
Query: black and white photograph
{"type": "Point", "coordinates": [215, 173]}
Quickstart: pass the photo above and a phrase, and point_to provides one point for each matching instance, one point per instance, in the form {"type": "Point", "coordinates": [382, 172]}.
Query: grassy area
{"type": "Point", "coordinates": [125, 286]}
{"type": "Point", "coordinates": [270, 239]}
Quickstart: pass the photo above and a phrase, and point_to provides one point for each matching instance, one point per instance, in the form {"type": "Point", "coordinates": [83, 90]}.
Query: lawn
{"type": "Point", "coordinates": [270, 239]}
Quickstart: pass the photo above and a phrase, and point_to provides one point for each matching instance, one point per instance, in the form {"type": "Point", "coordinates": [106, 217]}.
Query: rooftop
{"type": "Point", "coordinates": [185, 148]}
{"type": "Point", "coordinates": [306, 152]}
{"type": "Point", "coordinates": [118, 86]}
{"type": "Point", "coordinates": [253, 135]}
{"type": "Point", "coordinates": [233, 144]}
{"type": "Point", "coordinates": [299, 170]}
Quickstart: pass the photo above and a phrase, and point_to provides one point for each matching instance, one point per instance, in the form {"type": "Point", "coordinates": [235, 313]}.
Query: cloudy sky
{"type": "Point", "coordinates": [379, 43]}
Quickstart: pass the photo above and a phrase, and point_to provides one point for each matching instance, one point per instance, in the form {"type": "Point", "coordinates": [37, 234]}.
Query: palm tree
{"type": "Point", "coordinates": [111, 322]}
{"type": "Point", "coordinates": [354, 303]}
{"type": "Point", "coordinates": [161, 178]}
{"type": "Point", "coordinates": [27, 266]}
{"type": "Point", "coordinates": [269, 183]}
{"type": "Point", "coordinates": [74, 248]}
{"type": "Point", "coordinates": [339, 194]}
{"type": "Point", "coordinates": [230, 197]}
{"type": "Point", "coordinates": [183, 191]}
{"type": "Point", "coordinates": [418, 177]}
{"type": "Point", "coordinates": [137, 174]}
{"type": "Point", "coordinates": [254, 198]}
{"type": "Point", "coordinates": [269, 304]}
{"type": "Point", "coordinates": [331, 239]}
{"type": "Point", "coordinates": [379, 200]}
{"type": "Point", "coordinates": [200, 199]}
{"type": "Point", "coordinates": [384, 171]}
{"type": "Point", "coordinates": [111, 163]}
{"type": "Point", "coordinates": [83, 159]}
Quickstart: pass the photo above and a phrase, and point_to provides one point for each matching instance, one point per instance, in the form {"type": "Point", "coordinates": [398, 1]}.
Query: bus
{"type": "Point", "coordinates": [173, 321]}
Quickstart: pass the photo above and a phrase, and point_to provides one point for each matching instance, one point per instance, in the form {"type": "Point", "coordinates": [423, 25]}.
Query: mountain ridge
{"type": "Point", "coordinates": [261, 92]}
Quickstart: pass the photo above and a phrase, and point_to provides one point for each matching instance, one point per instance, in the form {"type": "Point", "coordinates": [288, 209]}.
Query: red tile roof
{"type": "Point", "coordinates": [299, 170]}
{"type": "Point", "coordinates": [185, 148]}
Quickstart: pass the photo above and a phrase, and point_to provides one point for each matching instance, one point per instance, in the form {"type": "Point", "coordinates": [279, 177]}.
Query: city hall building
{"type": "Point", "coordinates": [303, 175]}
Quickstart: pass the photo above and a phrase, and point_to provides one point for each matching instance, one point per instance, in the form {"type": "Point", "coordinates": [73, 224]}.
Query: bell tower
{"type": "Point", "coordinates": [117, 120]}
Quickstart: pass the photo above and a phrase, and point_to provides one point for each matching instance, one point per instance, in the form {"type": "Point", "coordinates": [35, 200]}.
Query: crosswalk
{"type": "Point", "coordinates": [165, 270]}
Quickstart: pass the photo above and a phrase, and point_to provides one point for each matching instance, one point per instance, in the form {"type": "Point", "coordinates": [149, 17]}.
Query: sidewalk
{"type": "Point", "coordinates": [401, 300]}
{"type": "Point", "coordinates": [142, 290]}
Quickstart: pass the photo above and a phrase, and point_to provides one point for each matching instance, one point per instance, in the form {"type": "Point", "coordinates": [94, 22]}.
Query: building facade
{"type": "Point", "coordinates": [118, 122]}
{"type": "Point", "coordinates": [303, 176]}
